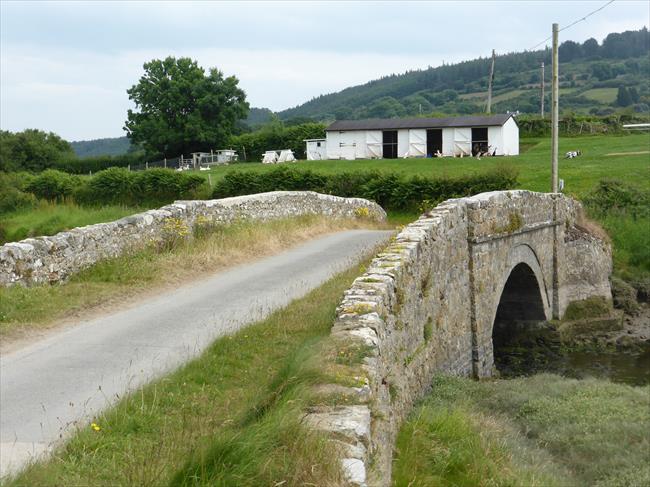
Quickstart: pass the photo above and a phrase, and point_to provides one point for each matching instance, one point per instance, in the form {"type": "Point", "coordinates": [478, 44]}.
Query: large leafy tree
{"type": "Point", "coordinates": [181, 109]}
{"type": "Point", "coordinates": [32, 150]}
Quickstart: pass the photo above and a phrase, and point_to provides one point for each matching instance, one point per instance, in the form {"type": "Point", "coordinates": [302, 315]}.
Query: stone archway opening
{"type": "Point", "coordinates": [520, 332]}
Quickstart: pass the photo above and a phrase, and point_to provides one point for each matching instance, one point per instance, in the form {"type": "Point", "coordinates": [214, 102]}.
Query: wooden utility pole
{"type": "Point", "coordinates": [542, 93]}
{"type": "Point", "coordinates": [488, 108]}
{"type": "Point", "coordinates": [554, 114]}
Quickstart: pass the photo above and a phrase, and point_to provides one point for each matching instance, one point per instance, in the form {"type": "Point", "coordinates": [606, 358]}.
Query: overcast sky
{"type": "Point", "coordinates": [65, 66]}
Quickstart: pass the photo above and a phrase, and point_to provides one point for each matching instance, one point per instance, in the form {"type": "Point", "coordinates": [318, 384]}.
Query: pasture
{"type": "Point", "coordinates": [631, 164]}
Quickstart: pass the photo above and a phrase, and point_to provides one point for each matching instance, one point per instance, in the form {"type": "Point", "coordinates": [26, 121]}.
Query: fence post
{"type": "Point", "coordinates": [129, 166]}
{"type": "Point", "coordinates": [146, 165]}
{"type": "Point", "coordinates": [165, 163]}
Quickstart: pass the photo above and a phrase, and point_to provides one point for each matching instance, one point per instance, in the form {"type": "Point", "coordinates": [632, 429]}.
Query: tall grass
{"type": "Point", "coordinates": [48, 218]}
{"type": "Point", "coordinates": [231, 417]}
{"type": "Point", "coordinates": [541, 430]}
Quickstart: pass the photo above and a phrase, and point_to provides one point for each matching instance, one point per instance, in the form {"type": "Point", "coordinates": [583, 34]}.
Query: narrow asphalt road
{"type": "Point", "coordinates": [57, 384]}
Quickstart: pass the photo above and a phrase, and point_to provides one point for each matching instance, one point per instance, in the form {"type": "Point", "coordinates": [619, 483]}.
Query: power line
{"type": "Point", "coordinates": [573, 23]}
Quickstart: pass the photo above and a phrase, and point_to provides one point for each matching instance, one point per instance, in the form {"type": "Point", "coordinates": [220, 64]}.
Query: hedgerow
{"type": "Point", "coordinates": [390, 190]}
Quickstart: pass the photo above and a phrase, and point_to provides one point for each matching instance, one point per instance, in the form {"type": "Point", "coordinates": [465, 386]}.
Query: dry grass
{"type": "Point", "coordinates": [120, 282]}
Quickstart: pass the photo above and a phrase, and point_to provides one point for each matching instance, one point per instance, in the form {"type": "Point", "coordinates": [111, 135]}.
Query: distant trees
{"type": "Point", "coordinates": [515, 71]}
{"type": "Point", "coordinates": [181, 109]}
{"type": "Point", "coordinates": [626, 96]}
{"type": "Point", "coordinates": [590, 47]}
{"type": "Point", "coordinates": [32, 150]}
{"type": "Point", "coordinates": [569, 50]}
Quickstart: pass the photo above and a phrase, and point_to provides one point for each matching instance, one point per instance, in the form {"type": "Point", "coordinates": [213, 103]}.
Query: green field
{"type": "Point", "coordinates": [603, 95]}
{"type": "Point", "coordinates": [580, 174]}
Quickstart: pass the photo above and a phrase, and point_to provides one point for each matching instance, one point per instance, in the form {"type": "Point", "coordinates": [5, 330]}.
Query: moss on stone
{"type": "Point", "coordinates": [593, 307]}
{"type": "Point", "coordinates": [515, 222]}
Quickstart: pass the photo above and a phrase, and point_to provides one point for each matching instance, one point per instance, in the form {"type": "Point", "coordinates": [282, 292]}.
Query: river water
{"type": "Point", "coordinates": [532, 353]}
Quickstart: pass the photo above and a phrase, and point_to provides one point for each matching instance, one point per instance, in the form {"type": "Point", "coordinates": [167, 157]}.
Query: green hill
{"type": "Point", "coordinates": [591, 77]}
{"type": "Point", "coordinates": [112, 146]}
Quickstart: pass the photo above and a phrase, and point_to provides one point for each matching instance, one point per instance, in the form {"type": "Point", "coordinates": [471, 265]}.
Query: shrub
{"type": "Point", "coordinates": [615, 195]}
{"type": "Point", "coordinates": [162, 186]}
{"type": "Point", "coordinates": [390, 190]}
{"type": "Point", "coordinates": [12, 194]}
{"type": "Point", "coordinates": [53, 185]}
{"type": "Point", "coordinates": [114, 185]}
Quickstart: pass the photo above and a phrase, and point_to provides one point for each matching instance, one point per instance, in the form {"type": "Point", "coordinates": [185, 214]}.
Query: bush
{"type": "Point", "coordinates": [162, 186]}
{"type": "Point", "coordinates": [113, 185]}
{"type": "Point", "coordinates": [53, 185]}
{"type": "Point", "coordinates": [617, 196]}
{"type": "Point", "coordinates": [155, 187]}
{"type": "Point", "coordinates": [12, 194]}
{"type": "Point", "coordinates": [390, 190]}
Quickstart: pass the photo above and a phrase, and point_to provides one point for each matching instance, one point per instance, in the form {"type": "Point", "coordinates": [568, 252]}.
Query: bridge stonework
{"type": "Point", "coordinates": [427, 305]}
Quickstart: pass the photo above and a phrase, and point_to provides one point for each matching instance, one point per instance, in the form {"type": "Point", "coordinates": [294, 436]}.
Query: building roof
{"type": "Point", "coordinates": [420, 123]}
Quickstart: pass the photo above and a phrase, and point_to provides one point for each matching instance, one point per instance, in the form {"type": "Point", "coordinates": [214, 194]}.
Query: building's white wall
{"type": "Point", "coordinates": [333, 148]}
{"type": "Point", "coordinates": [417, 143]}
{"type": "Point", "coordinates": [510, 132]}
{"type": "Point", "coordinates": [462, 141]}
{"type": "Point", "coordinates": [505, 139]}
{"type": "Point", "coordinates": [374, 148]}
{"type": "Point", "coordinates": [315, 153]}
{"type": "Point", "coordinates": [447, 141]}
{"type": "Point", "coordinates": [361, 145]}
{"type": "Point", "coordinates": [495, 140]}
{"type": "Point", "coordinates": [348, 141]}
{"type": "Point", "coordinates": [402, 142]}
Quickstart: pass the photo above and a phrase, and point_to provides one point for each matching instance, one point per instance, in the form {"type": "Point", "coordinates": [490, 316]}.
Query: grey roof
{"type": "Point", "coordinates": [420, 123]}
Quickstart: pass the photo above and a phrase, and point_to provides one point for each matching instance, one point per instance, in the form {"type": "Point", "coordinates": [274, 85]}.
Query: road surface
{"type": "Point", "coordinates": [55, 385]}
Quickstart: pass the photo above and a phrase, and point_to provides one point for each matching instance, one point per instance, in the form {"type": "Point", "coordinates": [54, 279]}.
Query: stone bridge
{"type": "Point", "coordinates": [428, 304]}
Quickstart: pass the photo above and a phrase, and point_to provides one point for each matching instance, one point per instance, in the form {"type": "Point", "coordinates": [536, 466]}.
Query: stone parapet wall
{"type": "Point", "coordinates": [426, 305]}
{"type": "Point", "coordinates": [54, 258]}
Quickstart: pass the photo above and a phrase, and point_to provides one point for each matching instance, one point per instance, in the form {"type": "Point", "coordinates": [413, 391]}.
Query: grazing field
{"type": "Point", "coordinates": [580, 174]}
{"type": "Point", "coordinates": [538, 431]}
{"type": "Point", "coordinates": [603, 95]}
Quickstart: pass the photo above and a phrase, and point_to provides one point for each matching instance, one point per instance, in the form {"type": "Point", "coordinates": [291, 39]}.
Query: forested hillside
{"type": "Point", "coordinates": [114, 146]}
{"type": "Point", "coordinates": [594, 79]}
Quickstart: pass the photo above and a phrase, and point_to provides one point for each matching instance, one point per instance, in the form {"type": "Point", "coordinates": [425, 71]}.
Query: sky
{"type": "Point", "coordinates": [65, 66]}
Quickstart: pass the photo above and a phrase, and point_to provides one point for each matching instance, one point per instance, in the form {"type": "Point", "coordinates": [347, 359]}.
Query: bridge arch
{"type": "Point", "coordinates": [522, 301]}
{"type": "Point", "coordinates": [518, 255]}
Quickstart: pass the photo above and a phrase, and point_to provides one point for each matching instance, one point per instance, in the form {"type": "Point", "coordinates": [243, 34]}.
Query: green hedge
{"type": "Point", "coordinates": [95, 164]}
{"type": "Point", "coordinates": [155, 187]}
{"type": "Point", "coordinates": [390, 190]}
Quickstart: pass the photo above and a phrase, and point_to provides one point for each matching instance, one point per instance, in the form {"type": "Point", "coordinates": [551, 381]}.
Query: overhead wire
{"type": "Point", "coordinates": [573, 23]}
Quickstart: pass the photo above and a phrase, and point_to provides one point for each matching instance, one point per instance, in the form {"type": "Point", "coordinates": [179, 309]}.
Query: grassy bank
{"type": "Point", "coordinates": [48, 218]}
{"type": "Point", "coordinates": [231, 417]}
{"type": "Point", "coordinates": [112, 282]}
{"type": "Point", "coordinates": [537, 431]}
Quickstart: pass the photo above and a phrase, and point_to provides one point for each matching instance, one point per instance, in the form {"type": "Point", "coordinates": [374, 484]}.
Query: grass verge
{"type": "Point", "coordinates": [543, 430]}
{"type": "Point", "coordinates": [230, 417]}
{"type": "Point", "coordinates": [49, 218]}
{"type": "Point", "coordinates": [113, 282]}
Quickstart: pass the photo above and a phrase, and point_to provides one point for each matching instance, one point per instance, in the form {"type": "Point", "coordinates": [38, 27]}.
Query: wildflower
{"type": "Point", "coordinates": [95, 427]}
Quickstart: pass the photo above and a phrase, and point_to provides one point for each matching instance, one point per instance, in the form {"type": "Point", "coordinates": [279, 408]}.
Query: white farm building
{"type": "Point", "coordinates": [419, 137]}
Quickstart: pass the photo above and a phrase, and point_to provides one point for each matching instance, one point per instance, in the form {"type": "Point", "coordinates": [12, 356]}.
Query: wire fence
{"type": "Point", "coordinates": [180, 163]}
